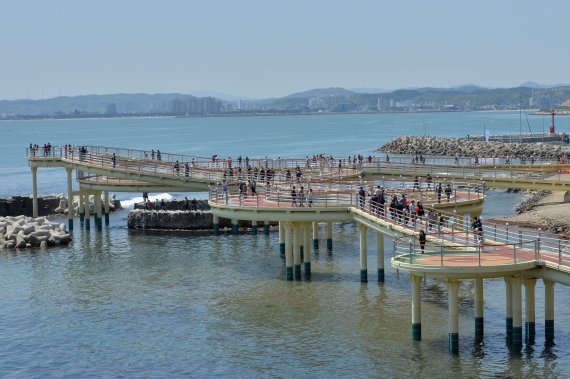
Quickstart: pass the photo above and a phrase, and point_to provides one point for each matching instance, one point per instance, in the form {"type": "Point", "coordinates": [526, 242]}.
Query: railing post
{"type": "Point", "coordinates": [507, 241]}
{"type": "Point", "coordinates": [514, 253]}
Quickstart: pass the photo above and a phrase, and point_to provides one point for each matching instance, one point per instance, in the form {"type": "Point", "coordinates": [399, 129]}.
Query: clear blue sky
{"type": "Point", "coordinates": [273, 48]}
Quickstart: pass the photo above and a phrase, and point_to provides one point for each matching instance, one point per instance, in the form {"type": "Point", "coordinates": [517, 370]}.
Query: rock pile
{"type": "Point", "coordinates": [428, 145]}
{"type": "Point", "coordinates": [22, 232]}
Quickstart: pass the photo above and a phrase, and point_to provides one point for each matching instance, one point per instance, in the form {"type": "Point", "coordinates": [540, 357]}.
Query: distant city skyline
{"type": "Point", "coordinates": [258, 49]}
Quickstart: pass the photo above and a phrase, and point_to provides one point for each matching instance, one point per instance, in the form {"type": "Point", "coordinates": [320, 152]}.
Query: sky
{"type": "Point", "coordinates": [259, 49]}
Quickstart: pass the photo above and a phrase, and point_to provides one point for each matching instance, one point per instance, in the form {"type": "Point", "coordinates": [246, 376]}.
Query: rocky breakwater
{"type": "Point", "coordinates": [463, 147]}
{"type": "Point", "coordinates": [23, 232]}
{"type": "Point", "coordinates": [174, 216]}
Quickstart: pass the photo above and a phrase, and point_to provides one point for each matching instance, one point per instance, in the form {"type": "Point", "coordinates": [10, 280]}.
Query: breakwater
{"type": "Point", "coordinates": [47, 205]}
{"type": "Point", "coordinates": [174, 215]}
{"type": "Point", "coordinates": [23, 232]}
{"type": "Point", "coordinates": [463, 147]}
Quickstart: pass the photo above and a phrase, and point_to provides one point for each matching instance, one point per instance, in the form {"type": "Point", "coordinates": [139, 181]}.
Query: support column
{"type": "Point", "coordinates": [479, 325]}
{"type": "Point", "coordinates": [453, 289]}
{"type": "Point", "coordinates": [69, 199]}
{"type": "Point", "coordinates": [416, 308]}
{"type": "Point", "coordinates": [107, 207]}
{"type": "Point", "coordinates": [509, 307]}
{"type": "Point", "coordinates": [34, 192]}
{"type": "Point", "coordinates": [266, 228]}
{"type": "Point", "coordinates": [329, 236]}
{"type": "Point", "coordinates": [549, 310]}
{"type": "Point", "coordinates": [380, 254]}
{"type": "Point", "coordinates": [315, 235]}
{"type": "Point", "coordinates": [297, 251]}
{"type": "Point", "coordinates": [282, 237]}
{"type": "Point", "coordinates": [288, 236]}
{"type": "Point", "coordinates": [87, 205]}
{"type": "Point", "coordinates": [235, 229]}
{"type": "Point", "coordinates": [216, 225]}
{"type": "Point", "coordinates": [81, 208]}
{"type": "Point", "coordinates": [307, 250]}
{"type": "Point", "coordinates": [517, 313]}
{"type": "Point", "coordinates": [529, 302]}
{"type": "Point", "coordinates": [99, 210]}
{"type": "Point", "coordinates": [363, 253]}
{"type": "Point", "coordinates": [254, 228]}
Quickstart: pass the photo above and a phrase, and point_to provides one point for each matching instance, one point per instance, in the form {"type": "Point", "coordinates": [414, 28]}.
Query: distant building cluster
{"type": "Point", "coordinates": [195, 106]}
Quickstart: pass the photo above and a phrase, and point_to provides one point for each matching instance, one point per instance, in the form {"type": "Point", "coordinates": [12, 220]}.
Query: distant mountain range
{"type": "Point", "coordinates": [462, 97]}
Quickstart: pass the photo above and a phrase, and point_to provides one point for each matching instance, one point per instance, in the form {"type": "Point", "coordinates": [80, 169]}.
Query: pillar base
{"type": "Point", "coordinates": [530, 332]}
{"type": "Point", "coordinates": [316, 244]}
{"type": "Point", "coordinates": [216, 229]}
{"type": "Point", "coordinates": [70, 224]}
{"type": "Point", "coordinates": [549, 330]}
{"type": "Point", "coordinates": [298, 272]}
{"type": "Point", "coordinates": [81, 217]}
{"type": "Point", "coordinates": [329, 244]}
{"type": "Point", "coordinates": [87, 224]}
{"type": "Point", "coordinates": [517, 336]}
{"type": "Point", "coordinates": [417, 331]}
{"type": "Point", "coordinates": [254, 230]}
{"type": "Point", "coordinates": [235, 229]}
{"type": "Point", "coordinates": [454, 343]}
{"type": "Point", "coordinates": [282, 247]}
{"type": "Point", "coordinates": [289, 271]}
{"type": "Point", "coordinates": [100, 223]}
{"type": "Point", "coordinates": [479, 328]}
{"type": "Point", "coordinates": [363, 276]}
{"type": "Point", "coordinates": [307, 267]}
{"type": "Point", "coordinates": [380, 275]}
{"type": "Point", "coordinates": [106, 218]}
{"type": "Point", "coordinates": [509, 323]}
{"type": "Point", "coordinates": [266, 229]}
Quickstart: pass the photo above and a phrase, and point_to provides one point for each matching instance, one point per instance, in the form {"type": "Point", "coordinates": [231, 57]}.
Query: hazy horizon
{"type": "Point", "coordinates": [257, 49]}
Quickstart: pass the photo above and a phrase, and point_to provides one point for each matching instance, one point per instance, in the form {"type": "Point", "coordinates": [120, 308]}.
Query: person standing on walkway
{"type": "Point", "coordinates": [423, 239]}
{"type": "Point", "coordinates": [448, 191]}
{"type": "Point", "coordinates": [439, 190]}
{"type": "Point", "coordinates": [301, 196]}
{"type": "Point", "coordinates": [310, 197]}
{"type": "Point", "coordinates": [293, 197]}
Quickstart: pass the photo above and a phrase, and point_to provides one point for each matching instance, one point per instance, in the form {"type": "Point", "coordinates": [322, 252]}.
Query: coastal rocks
{"type": "Point", "coordinates": [153, 219]}
{"type": "Point", "coordinates": [531, 202]}
{"type": "Point", "coordinates": [428, 145]}
{"type": "Point", "coordinates": [47, 205]}
{"type": "Point", "coordinates": [23, 232]}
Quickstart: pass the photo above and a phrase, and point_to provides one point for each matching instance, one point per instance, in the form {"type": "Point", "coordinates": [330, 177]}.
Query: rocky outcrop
{"type": "Point", "coordinates": [176, 220]}
{"type": "Point", "coordinates": [462, 147]}
{"type": "Point", "coordinates": [531, 202]}
{"type": "Point", "coordinates": [24, 232]}
{"type": "Point", "coordinates": [47, 205]}
{"type": "Point", "coordinates": [175, 205]}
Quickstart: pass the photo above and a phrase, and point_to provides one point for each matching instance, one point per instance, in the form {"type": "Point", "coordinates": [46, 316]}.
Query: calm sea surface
{"type": "Point", "coordinates": [148, 304]}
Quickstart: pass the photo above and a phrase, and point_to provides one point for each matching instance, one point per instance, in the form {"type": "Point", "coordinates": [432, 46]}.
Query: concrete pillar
{"type": "Point", "coordinates": [529, 302]}
{"type": "Point", "coordinates": [86, 203]}
{"type": "Point", "coordinates": [479, 325]}
{"type": "Point", "coordinates": [107, 207]}
{"type": "Point", "coordinates": [69, 199]}
{"type": "Point", "coordinates": [380, 253]}
{"type": "Point", "coordinates": [282, 237]}
{"type": "Point", "coordinates": [329, 236]}
{"type": "Point", "coordinates": [509, 307]}
{"type": "Point", "coordinates": [81, 208]}
{"type": "Point", "coordinates": [549, 310]}
{"type": "Point", "coordinates": [363, 253]}
{"type": "Point", "coordinates": [307, 250]}
{"type": "Point", "coordinates": [517, 312]}
{"type": "Point", "coordinates": [99, 210]}
{"type": "Point", "coordinates": [453, 290]}
{"type": "Point", "coordinates": [266, 228]}
{"type": "Point", "coordinates": [254, 228]}
{"type": "Point", "coordinates": [235, 224]}
{"type": "Point", "coordinates": [315, 235]}
{"type": "Point", "coordinates": [297, 250]}
{"type": "Point", "coordinates": [416, 308]}
{"type": "Point", "coordinates": [34, 191]}
{"type": "Point", "coordinates": [288, 236]}
{"type": "Point", "coordinates": [216, 225]}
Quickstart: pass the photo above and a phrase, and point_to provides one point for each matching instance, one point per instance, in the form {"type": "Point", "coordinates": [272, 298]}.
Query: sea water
{"type": "Point", "coordinates": [122, 303]}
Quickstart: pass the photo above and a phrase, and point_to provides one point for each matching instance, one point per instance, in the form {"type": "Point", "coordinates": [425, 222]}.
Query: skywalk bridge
{"type": "Point", "coordinates": [451, 252]}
